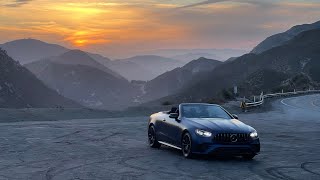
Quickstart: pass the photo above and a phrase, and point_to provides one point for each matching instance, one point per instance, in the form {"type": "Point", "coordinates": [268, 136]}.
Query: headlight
{"type": "Point", "coordinates": [254, 134]}
{"type": "Point", "coordinates": [203, 133]}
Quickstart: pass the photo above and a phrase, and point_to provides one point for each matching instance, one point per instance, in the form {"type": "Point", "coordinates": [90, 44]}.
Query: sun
{"type": "Point", "coordinates": [80, 42]}
{"type": "Point", "coordinates": [79, 38]}
{"type": "Point", "coordinates": [82, 38]}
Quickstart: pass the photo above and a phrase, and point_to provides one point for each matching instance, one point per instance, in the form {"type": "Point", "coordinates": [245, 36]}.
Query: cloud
{"type": "Point", "coordinates": [202, 3]}
{"type": "Point", "coordinates": [120, 29]}
{"type": "Point", "coordinates": [261, 3]}
{"type": "Point", "coordinates": [17, 3]}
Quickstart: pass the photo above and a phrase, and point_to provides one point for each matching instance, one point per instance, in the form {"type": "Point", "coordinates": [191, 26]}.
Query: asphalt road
{"type": "Point", "coordinates": [116, 148]}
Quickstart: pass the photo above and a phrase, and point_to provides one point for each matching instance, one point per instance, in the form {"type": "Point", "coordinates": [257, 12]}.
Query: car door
{"type": "Point", "coordinates": [160, 128]}
{"type": "Point", "coordinates": [173, 131]}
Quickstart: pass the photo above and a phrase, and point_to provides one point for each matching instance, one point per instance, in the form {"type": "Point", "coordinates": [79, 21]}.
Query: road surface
{"type": "Point", "coordinates": [116, 148]}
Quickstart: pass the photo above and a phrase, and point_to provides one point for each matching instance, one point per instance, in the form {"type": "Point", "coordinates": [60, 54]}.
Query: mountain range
{"type": "Point", "coordinates": [76, 75]}
{"type": "Point", "coordinates": [286, 61]}
{"type": "Point", "coordinates": [282, 38]}
{"type": "Point", "coordinates": [145, 67]}
{"type": "Point", "coordinates": [299, 56]}
{"type": "Point", "coordinates": [187, 55]}
{"type": "Point", "coordinates": [71, 57]}
{"type": "Point", "coordinates": [135, 68]}
{"type": "Point", "coordinates": [79, 77]}
{"type": "Point", "coordinates": [173, 81]}
{"type": "Point", "coordinates": [29, 50]}
{"type": "Point", "coordinates": [19, 88]}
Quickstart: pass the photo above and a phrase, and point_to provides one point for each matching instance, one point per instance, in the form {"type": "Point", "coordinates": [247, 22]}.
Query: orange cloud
{"type": "Point", "coordinates": [85, 38]}
{"type": "Point", "coordinates": [118, 26]}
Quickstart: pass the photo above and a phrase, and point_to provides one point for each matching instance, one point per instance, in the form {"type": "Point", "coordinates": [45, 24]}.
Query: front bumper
{"type": "Point", "coordinates": [209, 147]}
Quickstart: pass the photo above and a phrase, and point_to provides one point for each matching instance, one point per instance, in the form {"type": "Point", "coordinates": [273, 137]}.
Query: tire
{"type": "Point", "coordinates": [152, 138]}
{"type": "Point", "coordinates": [186, 145]}
{"type": "Point", "coordinates": [248, 156]}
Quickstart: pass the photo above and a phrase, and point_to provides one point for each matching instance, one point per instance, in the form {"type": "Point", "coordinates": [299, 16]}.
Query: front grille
{"type": "Point", "coordinates": [231, 138]}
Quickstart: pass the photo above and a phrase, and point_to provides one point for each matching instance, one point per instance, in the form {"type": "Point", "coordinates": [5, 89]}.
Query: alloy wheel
{"type": "Point", "coordinates": [186, 145]}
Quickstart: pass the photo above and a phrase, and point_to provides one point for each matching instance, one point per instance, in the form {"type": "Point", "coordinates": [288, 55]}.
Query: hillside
{"type": "Point", "coordinates": [89, 86]}
{"type": "Point", "coordinates": [72, 57]}
{"type": "Point", "coordinates": [187, 55]}
{"type": "Point", "coordinates": [144, 67]}
{"type": "Point", "coordinates": [78, 57]}
{"type": "Point", "coordinates": [29, 50]}
{"type": "Point", "coordinates": [282, 38]}
{"type": "Point", "coordinates": [299, 55]}
{"type": "Point", "coordinates": [16, 92]}
{"type": "Point", "coordinates": [266, 80]}
{"type": "Point", "coordinates": [100, 59]}
{"type": "Point", "coordinates": [80, 78]}
{"type": "Point", "coordinates": [172, 81]}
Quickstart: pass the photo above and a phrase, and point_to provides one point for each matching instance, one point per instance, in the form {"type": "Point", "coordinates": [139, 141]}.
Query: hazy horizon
{"type": "Point", "coordinates": [170, 53]}
{"type": "Point", "coordinates": [120, 29]}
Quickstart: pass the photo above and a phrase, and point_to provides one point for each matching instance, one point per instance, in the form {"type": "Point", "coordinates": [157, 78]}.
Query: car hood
{"type": "Point", "coordinates": [221, 125]}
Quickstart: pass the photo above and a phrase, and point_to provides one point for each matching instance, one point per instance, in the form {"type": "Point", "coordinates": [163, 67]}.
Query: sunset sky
{"type": "Point", "coordinates": [118, 28]}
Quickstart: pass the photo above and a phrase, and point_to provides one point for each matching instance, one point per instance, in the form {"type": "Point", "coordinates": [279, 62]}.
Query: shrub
{"type": "Point", "coordinates": [227, 94]}
{"type": "Point", "coordinates": [166, 103]}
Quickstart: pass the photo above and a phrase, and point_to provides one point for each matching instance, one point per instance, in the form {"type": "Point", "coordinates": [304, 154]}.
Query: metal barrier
{"type": "Point", "coordinates": [262, 97]}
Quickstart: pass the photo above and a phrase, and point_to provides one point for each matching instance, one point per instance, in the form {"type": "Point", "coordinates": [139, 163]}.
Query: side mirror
{"type": "Point", "coordinates": [174, 115]}
{"type": "Point", "coordinates": [235, 116]}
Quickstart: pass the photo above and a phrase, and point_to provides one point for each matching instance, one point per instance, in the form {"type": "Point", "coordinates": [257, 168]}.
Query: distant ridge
{"type": "Point", "coordinates": [282, 38]}
{"type": "Point", "coordinates": [297, 61]}
{"type": "Point", "coordinates": [79, 77]}
{"type": "Point", "coordinates": [29, 50]}
{"type": "Point", "coordinates": [173, 81]}
{"type": "Point", "coordinates": [141, 67]}
{"type": "Point", "coordinates": [19, 88]}
{"type": "Point", "coordinates": [145, 67]}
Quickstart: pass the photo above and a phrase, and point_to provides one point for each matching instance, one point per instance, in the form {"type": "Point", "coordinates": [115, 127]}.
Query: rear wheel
{"type": "Point", "coordinates": [249, 156]}
{"type": "Point", "coordinates": [152, 138]}
{"type": "Point", "coordinates": [186, 145]}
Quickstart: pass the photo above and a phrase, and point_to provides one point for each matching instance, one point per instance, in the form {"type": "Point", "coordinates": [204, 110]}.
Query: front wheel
{"type": "Point", "coordinates": [186, 145]}
{"type": "Point", "coordinates": [152, 138]}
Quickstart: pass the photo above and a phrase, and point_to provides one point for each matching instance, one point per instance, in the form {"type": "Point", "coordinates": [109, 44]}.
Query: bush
{"type": "Point", "coordinates": [166, 103]}
{"type": "Point", "coordinates": [227, 94]}
{"type": "Point", "coordinates": [215, 101]}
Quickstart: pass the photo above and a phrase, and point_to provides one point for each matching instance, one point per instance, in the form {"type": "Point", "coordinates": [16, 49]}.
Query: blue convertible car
{"type": "Point", "coordinates": [197, 128]}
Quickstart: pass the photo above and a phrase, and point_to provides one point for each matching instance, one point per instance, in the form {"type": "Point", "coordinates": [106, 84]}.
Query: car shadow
{"type": "Point", "coordinates": [208, 157]}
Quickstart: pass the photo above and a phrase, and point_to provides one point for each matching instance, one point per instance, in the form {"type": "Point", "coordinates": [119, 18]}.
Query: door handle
{"type": "Point", "coordinates": [164, 120]}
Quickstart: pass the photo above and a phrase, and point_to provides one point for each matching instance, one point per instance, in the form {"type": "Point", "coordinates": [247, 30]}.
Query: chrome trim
{"type": "Point", "coordinates": [170, 145]}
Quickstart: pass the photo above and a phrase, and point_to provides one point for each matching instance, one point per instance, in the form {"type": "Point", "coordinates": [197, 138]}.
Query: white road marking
{"type": "Point", "coordinates": [313, 102]}
{"type": "Point", "coordinates": [306, 108]}
{"type": "Point", "coordinates": [282, 101]}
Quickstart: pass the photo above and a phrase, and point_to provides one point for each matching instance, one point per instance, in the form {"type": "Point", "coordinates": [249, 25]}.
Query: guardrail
{"type": "Point", "coordinates": [262, 97]}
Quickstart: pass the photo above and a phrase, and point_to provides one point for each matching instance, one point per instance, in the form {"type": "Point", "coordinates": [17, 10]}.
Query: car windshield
{"type": "Point", "coordinates": [204, 111]}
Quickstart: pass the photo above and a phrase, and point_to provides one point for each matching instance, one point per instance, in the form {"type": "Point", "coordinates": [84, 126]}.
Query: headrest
{"type": "Point", "coordinates": [173, 110]}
